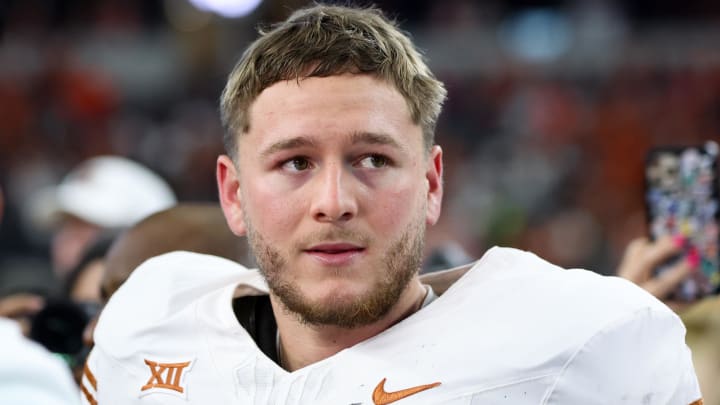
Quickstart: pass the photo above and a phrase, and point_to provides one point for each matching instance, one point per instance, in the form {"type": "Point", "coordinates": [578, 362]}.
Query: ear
{"type": "Point", "coordinates": [433, 175]}
{"type": "Point", "coordinates": [228, 181]}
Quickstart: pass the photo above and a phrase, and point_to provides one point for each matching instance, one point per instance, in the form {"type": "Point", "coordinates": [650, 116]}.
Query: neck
{"type": "Point", "coordinates": [302, 344]}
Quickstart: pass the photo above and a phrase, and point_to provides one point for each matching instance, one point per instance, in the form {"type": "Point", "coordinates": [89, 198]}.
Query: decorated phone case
{"type": "Point", "coordinates": [682, 200]}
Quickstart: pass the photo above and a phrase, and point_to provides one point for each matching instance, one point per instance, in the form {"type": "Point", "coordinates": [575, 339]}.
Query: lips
{"type": "Point", "coordinates": [335, 254]}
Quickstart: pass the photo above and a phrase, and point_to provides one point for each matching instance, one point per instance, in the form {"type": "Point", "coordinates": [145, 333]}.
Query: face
{"type": "Point", "coordinates": [69, 242]}
{"type": "Point", "coordinates": [87, 285]}
{"type": "Point", "coordinates": [333, 188]}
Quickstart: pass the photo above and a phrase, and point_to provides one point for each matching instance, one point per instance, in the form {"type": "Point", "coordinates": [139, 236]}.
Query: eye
{"type": "Point", "coordinates": [374, 161]}
{"type": "Point", "coordinates": [296, 164]}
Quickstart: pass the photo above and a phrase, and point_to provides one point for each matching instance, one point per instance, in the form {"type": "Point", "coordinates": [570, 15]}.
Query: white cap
{"type": "Point", "coordinates": [112, 192]}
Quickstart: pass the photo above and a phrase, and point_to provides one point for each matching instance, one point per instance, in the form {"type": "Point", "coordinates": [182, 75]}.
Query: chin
{"type": "Point", "coordinates": [341, 302]}
{"type": "Point", "coordinates": [336, 291]}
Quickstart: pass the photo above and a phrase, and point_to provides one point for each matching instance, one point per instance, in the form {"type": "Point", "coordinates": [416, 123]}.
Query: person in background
{"type": "Point", "coordinates": [60, 325]}
{"type": "Point", "coordinates": [332, 173]}
{"type": "Point", "coordinates": [99, 197]}
{"type": "Point", "coordinates": [29, 373]}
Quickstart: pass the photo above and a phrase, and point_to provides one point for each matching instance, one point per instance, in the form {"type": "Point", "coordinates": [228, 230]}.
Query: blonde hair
{"type": "Point", "coordinates": [325, 40]}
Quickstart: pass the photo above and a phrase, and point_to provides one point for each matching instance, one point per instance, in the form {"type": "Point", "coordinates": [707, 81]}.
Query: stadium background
{"type": "Point", "coordinates": [552, 106]}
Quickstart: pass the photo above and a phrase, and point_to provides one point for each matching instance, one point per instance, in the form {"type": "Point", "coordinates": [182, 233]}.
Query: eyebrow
{"type": "Point", "coordinates": [356, 138]}
{"type": "Point", "coordinates": [374, 139]}
{"type": "Point", "coordinates": [286, 144]}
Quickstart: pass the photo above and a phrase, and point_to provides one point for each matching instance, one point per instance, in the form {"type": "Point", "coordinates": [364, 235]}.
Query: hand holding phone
{"type": "Point", "coordinates": [641, 258]}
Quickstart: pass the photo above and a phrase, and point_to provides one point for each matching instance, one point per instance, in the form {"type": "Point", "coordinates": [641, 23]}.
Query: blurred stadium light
{"type": "Point", "coordinates": [228, 8]}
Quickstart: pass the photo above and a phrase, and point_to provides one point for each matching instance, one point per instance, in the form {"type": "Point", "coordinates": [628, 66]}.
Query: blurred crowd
{"type": "Point", "coordinates": [539, 151]}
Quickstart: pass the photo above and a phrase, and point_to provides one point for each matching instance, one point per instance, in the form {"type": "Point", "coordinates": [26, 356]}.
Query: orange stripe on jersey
{"type": "Point", "coordinates": [698, 402]}
{"type": "Point", "coordinates": [90, 376]}
{"type": "Point", "coordinates": [88, 395]}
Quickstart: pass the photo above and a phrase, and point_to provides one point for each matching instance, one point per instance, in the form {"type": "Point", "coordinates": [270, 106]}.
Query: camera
{"type": "Point", "coordinates": [59, 328]}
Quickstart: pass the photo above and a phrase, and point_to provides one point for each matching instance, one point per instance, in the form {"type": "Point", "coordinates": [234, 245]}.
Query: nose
{"type": "Point", "coordinates": [333, 198]}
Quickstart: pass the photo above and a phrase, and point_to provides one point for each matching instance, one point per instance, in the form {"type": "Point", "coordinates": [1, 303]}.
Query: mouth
{"type": "Point", "coordinates": [335, 254]}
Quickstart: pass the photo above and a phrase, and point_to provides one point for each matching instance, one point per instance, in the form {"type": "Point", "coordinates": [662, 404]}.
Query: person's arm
{"type": "Point", "coordinates": [21, 307]}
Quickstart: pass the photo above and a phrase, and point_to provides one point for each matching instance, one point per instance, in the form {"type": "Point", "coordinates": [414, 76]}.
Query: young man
{"type": "Point", "coordinates": [333, 174]}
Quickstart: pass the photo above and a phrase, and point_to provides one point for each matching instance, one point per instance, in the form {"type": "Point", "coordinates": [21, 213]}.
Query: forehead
{"type": "Point", "coordinates": [329, 107]}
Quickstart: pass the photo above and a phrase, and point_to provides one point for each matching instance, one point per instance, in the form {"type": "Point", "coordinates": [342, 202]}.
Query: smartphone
{"type": "Point", "coordinates": [682, 196]}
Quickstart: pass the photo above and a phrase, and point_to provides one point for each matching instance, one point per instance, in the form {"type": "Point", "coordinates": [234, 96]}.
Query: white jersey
{"type": "Point", "coordinates": [515, 329]}
{"type": "Point", "coordinates": [29, 374]}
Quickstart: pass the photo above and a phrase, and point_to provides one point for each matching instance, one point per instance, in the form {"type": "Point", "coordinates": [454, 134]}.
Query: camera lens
{"type": "Point", "coordinates": [59, 326]}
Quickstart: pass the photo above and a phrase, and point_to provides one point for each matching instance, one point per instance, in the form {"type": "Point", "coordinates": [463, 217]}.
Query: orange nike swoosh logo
{"type": "Point", "coordinates": [382, 397]}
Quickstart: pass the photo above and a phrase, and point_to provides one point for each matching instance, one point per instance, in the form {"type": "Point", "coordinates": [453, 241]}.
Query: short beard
{"type": "Point", "coordinates": [402, 261]}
